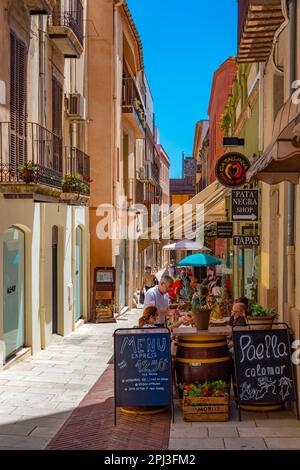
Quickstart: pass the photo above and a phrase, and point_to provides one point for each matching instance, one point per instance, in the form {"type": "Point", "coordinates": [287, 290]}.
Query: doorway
{"type": "Point", "coordinates": [13, 291]}
{"type": "Point", "coordinates": [54, 280]}
{"type": "Point", "coordinates": [78, 275]}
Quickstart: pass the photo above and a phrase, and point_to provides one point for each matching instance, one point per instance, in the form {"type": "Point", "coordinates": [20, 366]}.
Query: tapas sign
{"type": "Point", "coordinates": [246, 241]}
{"type": "Point", "coordinates": [231, 169]}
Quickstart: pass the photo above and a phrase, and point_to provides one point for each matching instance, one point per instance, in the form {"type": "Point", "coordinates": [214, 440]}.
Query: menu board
{"type": "Point", "coordinates": [143, 367]}
{"type": "Point", "coordinates": [263, 365]}
{"type": "Point", "coordinates": [104, 276]}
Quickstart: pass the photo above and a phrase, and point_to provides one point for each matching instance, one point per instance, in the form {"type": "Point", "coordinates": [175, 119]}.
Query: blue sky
{"type": "Point", "coordinates": [184, 42]}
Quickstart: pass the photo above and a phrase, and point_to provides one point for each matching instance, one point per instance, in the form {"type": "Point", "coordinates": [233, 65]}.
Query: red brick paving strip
{"type": "Point", "coordinates": [91, 425]}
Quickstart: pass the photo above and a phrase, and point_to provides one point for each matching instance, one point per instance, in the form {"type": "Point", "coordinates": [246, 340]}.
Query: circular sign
{"type": "Point", "coordinates": [231, 169]}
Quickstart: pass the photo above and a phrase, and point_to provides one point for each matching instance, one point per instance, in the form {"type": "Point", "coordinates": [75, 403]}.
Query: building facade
{"type": "Point", "coordinates": [44, 173]}
{"type": "Point", "coordinates": [277, 167]}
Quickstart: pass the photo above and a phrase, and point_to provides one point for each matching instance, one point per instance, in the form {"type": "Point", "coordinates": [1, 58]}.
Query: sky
{"type": "Point", "coordinates": [184, 42]}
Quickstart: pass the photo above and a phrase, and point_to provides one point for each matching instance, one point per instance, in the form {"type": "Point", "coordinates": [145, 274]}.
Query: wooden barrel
{"type": "Point", "coordinates": [203, 358]}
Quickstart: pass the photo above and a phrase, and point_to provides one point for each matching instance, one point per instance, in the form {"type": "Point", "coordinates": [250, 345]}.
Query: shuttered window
{"type": "Point", "coordinates": [57, 102]}
{"type": "Point", "coordinates": [18, 103]}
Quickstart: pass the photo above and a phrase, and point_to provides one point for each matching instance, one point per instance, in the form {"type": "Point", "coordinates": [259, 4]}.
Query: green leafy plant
{"type": "Point", "coordinates": [75, 183]}
{"type": "Point", "coordinates": [208, 389]}
{"type": "Point", "coordinates": [225, 122]}
{"type": "Point", "coordinates": [259, 311]}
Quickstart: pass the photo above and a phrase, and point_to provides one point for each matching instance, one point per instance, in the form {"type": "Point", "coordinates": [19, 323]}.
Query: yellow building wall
{"type": "Point", "coordinates": [180, 199]}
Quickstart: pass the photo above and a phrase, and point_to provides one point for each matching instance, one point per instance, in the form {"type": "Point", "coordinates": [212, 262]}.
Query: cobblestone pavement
{"type": "Point", "coordinates": [62, 398]}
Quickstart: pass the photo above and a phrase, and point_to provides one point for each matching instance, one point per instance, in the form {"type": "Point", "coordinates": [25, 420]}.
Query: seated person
{"type": "Point", "coordinates": [238, 318]}
{"type": "Point", "coordinates": [245, 301]}
{"type": "Point", "coordinates": [150, 319]}
{"type": "Point", "coordinates": [238, 315]}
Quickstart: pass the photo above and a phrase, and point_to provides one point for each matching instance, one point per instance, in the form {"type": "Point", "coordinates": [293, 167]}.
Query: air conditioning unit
{"type": "Point", "coordinates": [142, 173]}
{"type": "Point", "coordinates": [77, 106]}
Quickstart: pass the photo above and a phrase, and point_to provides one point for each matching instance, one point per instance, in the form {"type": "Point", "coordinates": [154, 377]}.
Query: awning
{"type": "Point", "coordinates": [213, 201]}
{"type": "Point", "coordinates": [281, 160]}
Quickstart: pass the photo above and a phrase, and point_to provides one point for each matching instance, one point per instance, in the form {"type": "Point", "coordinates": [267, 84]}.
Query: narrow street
{"type": "Point", "coordinates": [150, 184]}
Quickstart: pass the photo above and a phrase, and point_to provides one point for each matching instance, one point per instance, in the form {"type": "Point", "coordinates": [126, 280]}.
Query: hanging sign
{"type": "Point", "coordinates": [246, 241]}
{"type": "Point", "coordinates": [244, 204]}
{"type": "Point", "coordinates": [210, 231]}
{"type": "Point", "coordinates": [263, 366]}
{"type": "Point", "coordinates": [224, 230]}
{"type": "Point", "coordinates": [231, 170]}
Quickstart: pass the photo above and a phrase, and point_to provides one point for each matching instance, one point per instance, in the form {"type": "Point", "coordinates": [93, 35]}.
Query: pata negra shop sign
{"type": "Point", "coordinates": [244, 204]}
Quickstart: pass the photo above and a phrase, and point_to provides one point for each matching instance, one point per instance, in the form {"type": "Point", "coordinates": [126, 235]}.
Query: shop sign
{"type": "Point", "coordinates": [263, 365]}
{"type": "Point", "coordinates": [231, 170]}
{"type": "Point", "coordinates": [246, 241]}
{"type": "Point", "coordinates": [142, 367]}
{"type": "Point", "coordinates": [224, 230]}
{"type": "Point", "coordinates": [244, 204]}
{"type": "Point", "coordinates": [211, 231]}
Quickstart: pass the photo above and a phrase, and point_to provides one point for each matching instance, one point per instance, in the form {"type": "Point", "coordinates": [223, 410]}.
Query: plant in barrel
{"type": "Point", "coordinates": [200, 313]}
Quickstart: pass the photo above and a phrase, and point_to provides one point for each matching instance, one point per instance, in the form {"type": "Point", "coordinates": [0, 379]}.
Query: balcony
{"type": "Point", "coordinates": [65, 28]}
{"type": "Point", "coordinates": [139, 192]}
{"type": "Point", "coordinates": [258, 20]}
{"type": "Point", "coordinates": [76, 181]}
{"type": "Point", "coordinates": [30, 160]}
{"type": "Point", "coordinates": [133, 108]}
{"type": "Point", "coordinates": [40, 7]}
{"type": "Point", "coordinates": [155, 173]}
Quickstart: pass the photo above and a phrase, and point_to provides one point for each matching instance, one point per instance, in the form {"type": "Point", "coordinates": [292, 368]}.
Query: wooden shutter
{"type": "Point", "coordinates": [57, 110]}
{"type": "Point", "coordinates": [18, 103]}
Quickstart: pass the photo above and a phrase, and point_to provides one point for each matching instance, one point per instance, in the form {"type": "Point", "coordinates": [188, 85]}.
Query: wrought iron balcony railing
{"type": "Point", "coordinates": [77, 172]}
{"type": "Point", "coordinates": [31, 154]}
{"type": "Point", "coordinates": [72, 19]}
{"type": "Point", "coordinates": [132, 100]}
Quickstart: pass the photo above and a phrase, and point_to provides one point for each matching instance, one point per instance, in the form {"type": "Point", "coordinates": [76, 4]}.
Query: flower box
{"type": "Point", "coordinates": [103, 313]}
{"type": "Point", "coordinates": [205, 409]}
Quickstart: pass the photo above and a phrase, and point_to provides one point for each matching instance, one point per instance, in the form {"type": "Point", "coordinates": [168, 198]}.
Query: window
{"type": "Point", "coordinates": [18, 102]}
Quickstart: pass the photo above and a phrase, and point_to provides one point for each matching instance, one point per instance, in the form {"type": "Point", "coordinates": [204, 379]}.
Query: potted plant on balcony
{"type": "Point", "coordinates": [28, 172]}
{"type": "Point", "coordinates": [71, 183]}
{"type": "Point", "coordinates": [261, 318]}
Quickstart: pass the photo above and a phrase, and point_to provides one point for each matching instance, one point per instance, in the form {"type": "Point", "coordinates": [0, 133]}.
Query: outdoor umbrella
{"type": "Point", "coordinates": [200, 260]}
{"type": "Point", "coordinates": [186, 245]}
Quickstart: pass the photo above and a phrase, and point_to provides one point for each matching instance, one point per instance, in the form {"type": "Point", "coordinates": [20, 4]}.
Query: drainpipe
{"type": "Point", "coordinates": [291, 186]}
{"type": "Point", "coordinates": [42, 86]}
{"type": "Point", "coordinates": [42, 70]}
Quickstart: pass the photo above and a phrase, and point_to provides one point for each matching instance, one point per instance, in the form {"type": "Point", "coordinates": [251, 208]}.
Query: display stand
{"type": "Point", "coordinates": [104, 295]}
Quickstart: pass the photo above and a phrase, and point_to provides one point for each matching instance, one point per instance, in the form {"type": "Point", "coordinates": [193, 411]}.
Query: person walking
{"type": "Point", "coordinates": [149, 279]}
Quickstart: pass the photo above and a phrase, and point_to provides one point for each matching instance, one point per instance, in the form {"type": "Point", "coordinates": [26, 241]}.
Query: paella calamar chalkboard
{"type": "Point", "coordinates": [263, 366]}
{"type": "Point", "coordinates": [143, 376]}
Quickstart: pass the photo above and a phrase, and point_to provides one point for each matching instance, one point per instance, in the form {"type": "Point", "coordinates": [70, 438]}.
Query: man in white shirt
{"type": "Point", "coordinates": [158, 297]}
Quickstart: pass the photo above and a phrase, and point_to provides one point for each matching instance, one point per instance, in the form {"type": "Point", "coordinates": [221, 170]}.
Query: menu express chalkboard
{"type": "Point", "coordinates": [143, 367]}
{"type": "Point", "coordinates": [263, 366]}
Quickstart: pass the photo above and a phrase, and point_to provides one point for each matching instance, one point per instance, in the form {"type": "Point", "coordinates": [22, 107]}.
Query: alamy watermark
{"type": "Point", "coordinates": [153, 222]}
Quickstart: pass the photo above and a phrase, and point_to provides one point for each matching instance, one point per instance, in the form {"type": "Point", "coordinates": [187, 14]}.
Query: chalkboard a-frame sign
{"type": "Point", "coordinates": [263, 366]}
{"type": "Point", "coordinates": [143, 375]}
